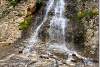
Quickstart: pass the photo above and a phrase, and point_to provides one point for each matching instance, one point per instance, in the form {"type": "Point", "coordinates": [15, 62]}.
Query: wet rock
{"type": "Point", "coordinates": [44, 56]}
{"type": "Point", "coordinates": [59, 52]}
{"type": "Point", "coordinates": [33, 57]}
{"type": "Point", "coordinates": [77, 59]}
{"type": "Point", "coordinates": [20, 51]}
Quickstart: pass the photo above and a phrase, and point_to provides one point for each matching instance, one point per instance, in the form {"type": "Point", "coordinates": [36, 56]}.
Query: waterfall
{"type": "Point", "coordinates": [34, 37]}
{"type": "Point", "coordinates": [48, 8]}
{"type": "Point", "coordinates": [58, 23]}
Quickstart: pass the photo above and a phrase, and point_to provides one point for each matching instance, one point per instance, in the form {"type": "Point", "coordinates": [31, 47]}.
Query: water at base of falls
{"type": "Point", "coordinates": [58, 23]}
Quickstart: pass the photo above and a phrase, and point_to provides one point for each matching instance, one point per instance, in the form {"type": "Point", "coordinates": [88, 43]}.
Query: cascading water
{"type": "Point", "coordinates": [58, 23]}
{"type": "Point", "coordinates": [35, 34]}
{"type": "Point", "coordinates": [34, 37]}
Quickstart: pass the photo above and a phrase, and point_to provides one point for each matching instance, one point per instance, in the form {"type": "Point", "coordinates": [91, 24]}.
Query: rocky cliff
{"type": "Point", "coordinates": [20, 18]}
{"type": "Point", "coordinates": [11, 16]}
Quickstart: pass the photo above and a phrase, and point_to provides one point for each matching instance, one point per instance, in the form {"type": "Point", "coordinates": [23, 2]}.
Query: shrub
{"type": "Point", "coordinates": [26, 23]}
{"type": "Point", "coordinates": [88, 14]}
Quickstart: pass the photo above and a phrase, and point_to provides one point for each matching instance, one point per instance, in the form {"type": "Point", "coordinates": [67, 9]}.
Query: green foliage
{"type": "Point", "coordinates": [14, 2]}
{"type": "Point", "coordinates": [80, 15]}
{"type": "Point", "coordinates": [26, 23]}
{"type": "Point", "coordinates": [87, 14]}
{"type": "Point", "coordinates": [39, 3]}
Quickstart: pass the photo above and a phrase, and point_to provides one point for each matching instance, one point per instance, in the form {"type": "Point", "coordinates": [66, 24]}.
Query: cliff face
{"type": "Point", "coordinates": [82, 30]}
{"type": "Point", "coordinates": [11, 15]}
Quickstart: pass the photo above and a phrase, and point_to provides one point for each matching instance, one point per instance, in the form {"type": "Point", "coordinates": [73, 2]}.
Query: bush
{"type": "Point", "coordinates": [26, 23]}
{"type": "Point", "coordinates": [88, 14]}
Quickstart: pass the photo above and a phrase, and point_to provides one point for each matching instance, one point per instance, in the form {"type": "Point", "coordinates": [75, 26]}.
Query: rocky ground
{"type": "Point", "coordinates": [40, 57]}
